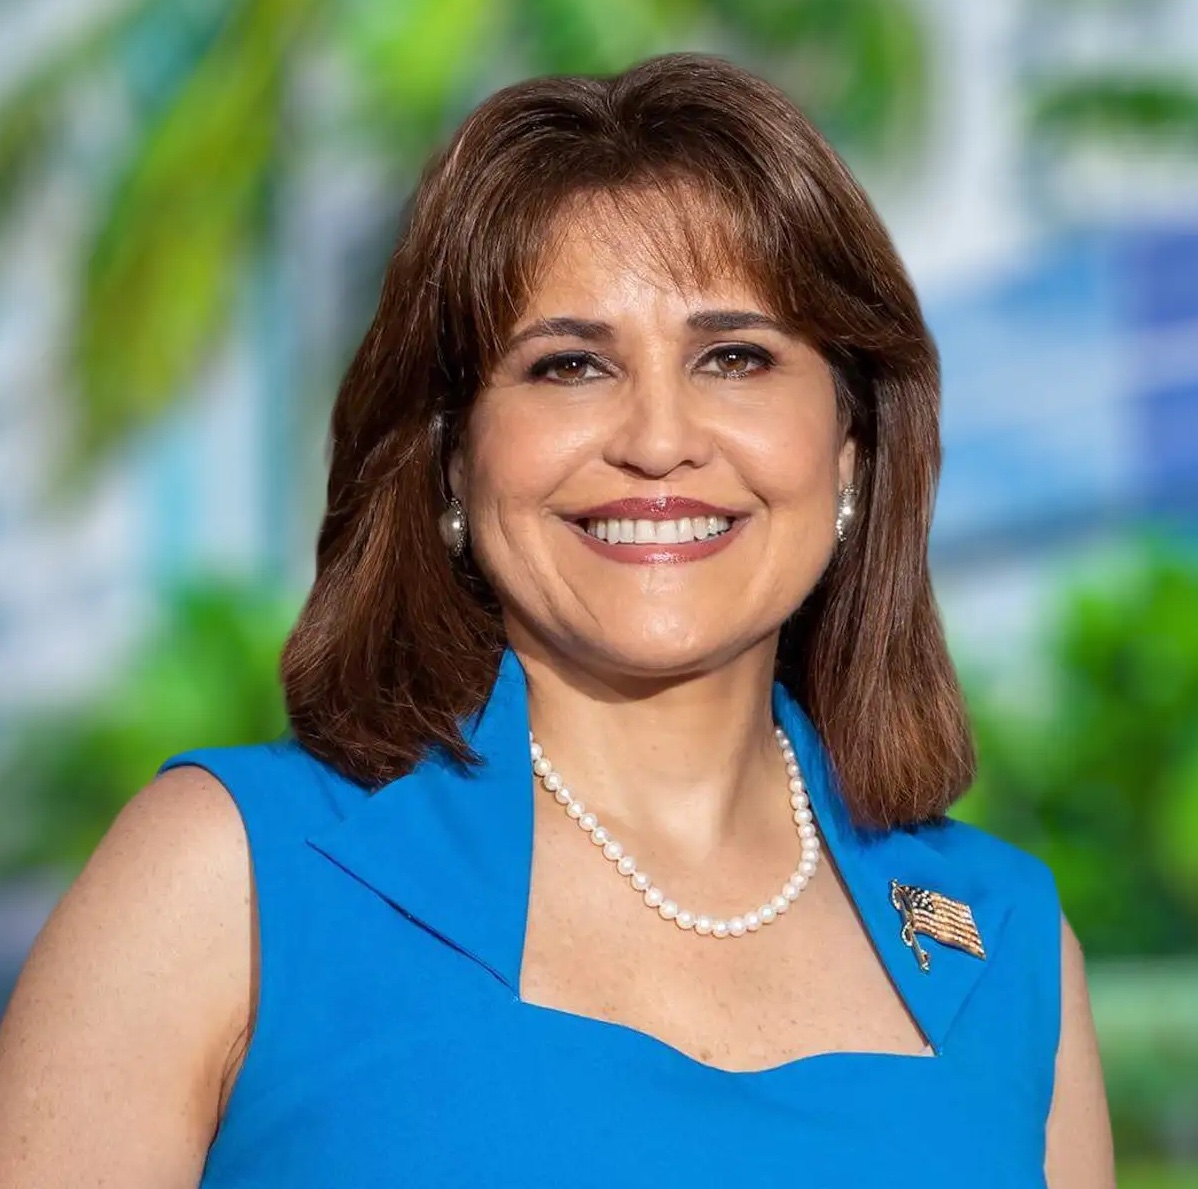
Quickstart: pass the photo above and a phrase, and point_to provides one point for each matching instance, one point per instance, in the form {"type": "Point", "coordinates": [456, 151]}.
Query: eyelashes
{"type": "Point", "coordinates": [572, 367]}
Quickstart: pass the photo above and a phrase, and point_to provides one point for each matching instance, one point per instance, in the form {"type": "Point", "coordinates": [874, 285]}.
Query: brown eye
{"type": "Point", "coordinates": [564, 368]}
{"type": "Point", "coordinates": [567, 369]}
{"type": "Point", "coordinates": [735, 362]}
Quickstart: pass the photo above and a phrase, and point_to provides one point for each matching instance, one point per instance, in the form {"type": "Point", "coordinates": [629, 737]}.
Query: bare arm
{"type": "Point", "coordinates": [123, 1028]}
{"type": "Point", "coordinates": [1080, 1153]}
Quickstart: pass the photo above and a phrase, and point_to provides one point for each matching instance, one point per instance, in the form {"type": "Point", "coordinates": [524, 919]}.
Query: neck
{"type": "Point", "coordinates": [690, 759]}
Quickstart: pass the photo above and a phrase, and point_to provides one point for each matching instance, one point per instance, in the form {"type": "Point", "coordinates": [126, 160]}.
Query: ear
{"type": "Point", "coordinates": [846, 465]}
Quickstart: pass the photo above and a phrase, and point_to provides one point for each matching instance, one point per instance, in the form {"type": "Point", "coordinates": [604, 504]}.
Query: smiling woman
{"type": "Point", "coordinates": [634, 467]}
{"type": "Point", "coordinates": [565, 215]}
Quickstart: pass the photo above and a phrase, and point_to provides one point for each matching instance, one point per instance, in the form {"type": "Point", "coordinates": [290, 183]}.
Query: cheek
{"type": "Point", "coordinates": [516, 458]}
{"type": "Point", "coordinates": [792, 462]}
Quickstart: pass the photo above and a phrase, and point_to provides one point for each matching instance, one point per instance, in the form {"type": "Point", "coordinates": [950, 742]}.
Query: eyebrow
{"type": "Point", "coordinates": [602, 332]}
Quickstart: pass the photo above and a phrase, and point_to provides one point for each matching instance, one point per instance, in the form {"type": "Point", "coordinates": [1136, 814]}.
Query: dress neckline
{"type": "Point", "coordinates": [452, 848]}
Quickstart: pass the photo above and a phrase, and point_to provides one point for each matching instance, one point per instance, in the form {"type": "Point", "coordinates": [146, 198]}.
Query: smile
{"type": "Point", "coordinates": [656, 532]}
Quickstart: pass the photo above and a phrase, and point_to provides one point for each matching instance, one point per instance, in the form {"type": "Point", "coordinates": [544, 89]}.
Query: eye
{"type": "Point", "coordinates": [736, 360]}
{"type": "Point", "coordinates": [566, 367]}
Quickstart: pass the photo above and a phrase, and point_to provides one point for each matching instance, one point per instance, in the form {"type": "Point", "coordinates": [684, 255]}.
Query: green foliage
{"type": "Point", "coordinates": [161, 270]}
{"type": "Point", "coordinates": [1157, 1176]}
{"type": "Point", "coordinates": [32, 112]}
{"type": "Point", "coordinates": [410, 62]}
{"type": "Point", "coordinates": [198, 189]}
{"type": "Point", "coordinates": [206, 676]}
{"type": "Point", "coordinates": [600, 36]}
{"type": "Point", "coordinates": [859, 68]}
{"type": "Point", "coordinates": [1097, 772]}
{"type": "Point", "coordinates": [1148, 1033]}
{"type": "Point", "coordinates": [1103, 107]}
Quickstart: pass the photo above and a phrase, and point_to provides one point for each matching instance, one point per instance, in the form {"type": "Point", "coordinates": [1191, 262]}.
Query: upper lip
{"type": "Point", "coordinates": [664, 507]}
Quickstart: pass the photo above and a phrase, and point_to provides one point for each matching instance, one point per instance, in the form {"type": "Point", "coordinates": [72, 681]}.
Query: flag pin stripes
{"type": "Point", "coordinates": [939, 917]}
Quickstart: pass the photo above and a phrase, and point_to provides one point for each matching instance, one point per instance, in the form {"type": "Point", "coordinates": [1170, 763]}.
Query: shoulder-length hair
{"type": "Point", "coordinates": [395, 644]}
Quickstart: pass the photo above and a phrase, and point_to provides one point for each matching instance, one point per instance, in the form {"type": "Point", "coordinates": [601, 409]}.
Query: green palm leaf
{"type": "Point", "coordinates": [30, 114]}
{"type": "Point", "coordinates": [410, 63]}
{"type": "Point", "coordinates": [601, 36]}
{"type": "Point", "coordinates": [1164, 109]}
{"type": "Point", "coordinates": [162, 267]}
{"type": "Point", "coordinates": [857, 67]}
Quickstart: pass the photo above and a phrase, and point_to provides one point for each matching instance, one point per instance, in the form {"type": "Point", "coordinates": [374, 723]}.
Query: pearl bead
{"type": "Point", "coordinates": [653, 896]}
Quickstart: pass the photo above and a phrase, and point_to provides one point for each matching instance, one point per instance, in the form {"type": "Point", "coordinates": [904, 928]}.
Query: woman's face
{"type": "Point", "coordinates": [629, 406]}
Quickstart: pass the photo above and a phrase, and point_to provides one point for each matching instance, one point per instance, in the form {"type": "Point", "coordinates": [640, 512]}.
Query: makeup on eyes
{"type": "Point", "coordinates": [763, 360]}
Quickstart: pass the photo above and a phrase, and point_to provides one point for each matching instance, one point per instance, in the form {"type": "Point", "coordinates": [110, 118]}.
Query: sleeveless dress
{"type": "Point", "coordinates": [391, 1047]}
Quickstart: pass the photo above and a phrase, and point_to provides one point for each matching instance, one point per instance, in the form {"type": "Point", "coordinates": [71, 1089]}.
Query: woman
{"type": "Point", "coordinates": [610, 835]}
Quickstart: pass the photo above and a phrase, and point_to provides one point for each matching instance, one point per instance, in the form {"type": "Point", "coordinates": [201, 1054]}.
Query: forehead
{"type": "Point", "coordinates": [602, 248]}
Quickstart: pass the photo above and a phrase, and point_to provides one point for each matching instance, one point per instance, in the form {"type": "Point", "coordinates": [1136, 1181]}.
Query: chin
{"type": "Point", "coordinates": [652, 650]}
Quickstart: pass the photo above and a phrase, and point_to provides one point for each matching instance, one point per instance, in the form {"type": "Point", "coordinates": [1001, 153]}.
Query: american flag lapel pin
{"type": "Point", "coordinates": [939, 917]}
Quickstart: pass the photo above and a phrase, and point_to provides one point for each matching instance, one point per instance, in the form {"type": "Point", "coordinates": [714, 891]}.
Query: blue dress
{"type": "Point", "coordinates": [392, 1048]}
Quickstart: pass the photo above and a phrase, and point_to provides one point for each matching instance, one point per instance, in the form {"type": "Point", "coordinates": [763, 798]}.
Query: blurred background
{"type": "Point", "coordinates": [197, 201]}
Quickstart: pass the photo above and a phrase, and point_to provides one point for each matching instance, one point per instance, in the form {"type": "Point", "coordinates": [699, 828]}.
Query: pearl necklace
{"type": "Point", "coordinates": [654, 897]}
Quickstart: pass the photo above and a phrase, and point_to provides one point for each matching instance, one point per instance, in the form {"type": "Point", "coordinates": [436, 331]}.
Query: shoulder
{"type": "Point", "coordinates": [991, 860]}
{"type": "Point", "coordinates": [141, 979]}
{"type": "Point", "coordinates": [277, 784]}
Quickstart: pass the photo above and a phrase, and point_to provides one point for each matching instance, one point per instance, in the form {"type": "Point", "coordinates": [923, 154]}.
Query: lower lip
{"type": "Point", "coordinates": [658, 554]}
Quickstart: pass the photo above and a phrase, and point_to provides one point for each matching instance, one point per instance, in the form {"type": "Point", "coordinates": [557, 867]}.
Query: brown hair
{"type": "Point", "coordinates": [395, 643]}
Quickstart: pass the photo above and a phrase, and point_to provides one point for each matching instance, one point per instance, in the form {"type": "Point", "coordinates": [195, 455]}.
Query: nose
{"type": "Point", "coordinates": [659, 428]}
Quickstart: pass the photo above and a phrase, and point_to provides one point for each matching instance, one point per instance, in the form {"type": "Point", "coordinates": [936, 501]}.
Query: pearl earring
{"type": "Point", "coordinates": [846, 511]}
{"type": "Point", "coordinates": [451, 524]}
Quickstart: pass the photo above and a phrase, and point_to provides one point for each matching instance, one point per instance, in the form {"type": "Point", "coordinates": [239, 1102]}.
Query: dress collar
{"type": "Point", "coordinates": [452, 849]}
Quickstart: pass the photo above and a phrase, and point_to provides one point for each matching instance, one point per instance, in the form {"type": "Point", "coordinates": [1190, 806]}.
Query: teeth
{"type": "Point", "coordinates": [658, 532]}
